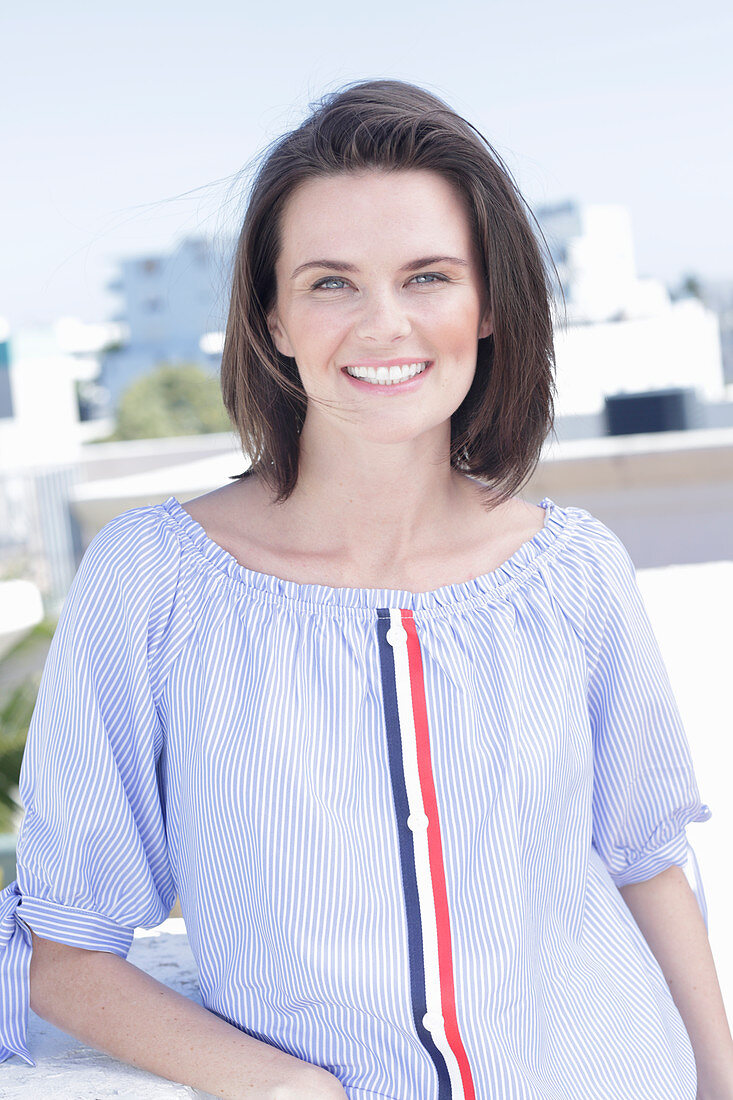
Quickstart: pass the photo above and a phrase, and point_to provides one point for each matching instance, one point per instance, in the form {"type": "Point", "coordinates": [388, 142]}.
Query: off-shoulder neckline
{"type": "Point", "coordinates": [496, 584]}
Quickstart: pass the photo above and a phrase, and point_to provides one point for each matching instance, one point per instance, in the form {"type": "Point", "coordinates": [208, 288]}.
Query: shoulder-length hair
{"type": "Point", "coordinates": [498, 431]}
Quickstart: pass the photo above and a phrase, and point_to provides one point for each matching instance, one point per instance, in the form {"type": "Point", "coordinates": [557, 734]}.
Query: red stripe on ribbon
{"type": "Point", "coordinates": [435, 853]}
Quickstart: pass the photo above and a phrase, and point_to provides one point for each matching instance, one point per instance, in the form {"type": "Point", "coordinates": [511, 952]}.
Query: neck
{"type": "Point", "coordinates": [371, 502]}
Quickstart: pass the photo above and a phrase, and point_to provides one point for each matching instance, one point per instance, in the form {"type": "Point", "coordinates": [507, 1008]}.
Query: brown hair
{"type": "Point", "coordinates": [498, 431]}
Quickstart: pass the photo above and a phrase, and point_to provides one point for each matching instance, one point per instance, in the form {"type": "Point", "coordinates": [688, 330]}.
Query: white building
{"type": "Point", "coordinates": [174, 310]}
{"type": "Point", "coordinates": [676, 346]}
{"type": "Point", "coordinates": [47, 383]}
{"type": "Point", "coordinates": [624, 334]}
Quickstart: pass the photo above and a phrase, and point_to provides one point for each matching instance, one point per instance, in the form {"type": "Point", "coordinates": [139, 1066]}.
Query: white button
{"type": "Point", "coordinates": [433, 1021]}
{"type": "Point", "coordinates": [396, 635]}
{"type": "Point", "coordinates": [417, 821]}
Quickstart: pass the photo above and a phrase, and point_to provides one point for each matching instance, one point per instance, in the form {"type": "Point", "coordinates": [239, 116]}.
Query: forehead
{"type": "Point", "coordinates": [375, 208]}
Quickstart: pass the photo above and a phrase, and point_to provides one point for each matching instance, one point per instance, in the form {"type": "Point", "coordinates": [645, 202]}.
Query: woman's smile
{"type": "Point", "coordinates": [393, 379]}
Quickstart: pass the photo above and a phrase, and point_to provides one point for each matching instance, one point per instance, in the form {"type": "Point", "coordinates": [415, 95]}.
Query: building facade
{"type": "Point", "coordinates": [174, 311]}
{"type": "Point", "coordinates": [618, 333]}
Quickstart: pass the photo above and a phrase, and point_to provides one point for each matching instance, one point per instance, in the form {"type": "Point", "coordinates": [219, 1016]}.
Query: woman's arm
{"type": "Point", "coordinates": [668, 915]}
{"type": "Point", "coordinates": [108, 1003]}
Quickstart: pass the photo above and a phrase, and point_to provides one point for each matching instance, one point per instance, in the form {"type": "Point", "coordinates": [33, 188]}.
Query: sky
{"type": "Point", "coordinates": [125, 127]}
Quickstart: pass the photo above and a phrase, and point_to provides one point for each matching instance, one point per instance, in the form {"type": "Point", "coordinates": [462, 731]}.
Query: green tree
{"type": "Point", "coordinates": [174, 399]}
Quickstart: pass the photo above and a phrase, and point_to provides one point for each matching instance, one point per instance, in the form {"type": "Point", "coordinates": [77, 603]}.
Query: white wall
{"type": "Point", "coordinates": [677, 347]}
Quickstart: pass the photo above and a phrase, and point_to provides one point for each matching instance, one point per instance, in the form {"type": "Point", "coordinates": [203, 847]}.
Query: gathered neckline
{"type": "Point", "coordinates": [497, 583]}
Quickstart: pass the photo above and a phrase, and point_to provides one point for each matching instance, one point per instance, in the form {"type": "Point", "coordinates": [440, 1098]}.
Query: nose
{"type": "Point", "coordinates": [382, 318]}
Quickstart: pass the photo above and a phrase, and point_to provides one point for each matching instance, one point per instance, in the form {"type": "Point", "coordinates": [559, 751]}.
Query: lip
{"type": "Point", "coordinates": [396, 387]}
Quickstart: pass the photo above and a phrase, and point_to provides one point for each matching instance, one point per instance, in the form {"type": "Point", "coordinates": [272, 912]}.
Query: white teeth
{"type": "Point", "coordinates": [387, 376]}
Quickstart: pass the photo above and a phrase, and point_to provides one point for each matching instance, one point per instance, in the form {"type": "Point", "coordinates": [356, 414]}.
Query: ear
{"type": "Point", "coordinates": [279, 336]}
{"type": "Point", "coordinates": [487, 325]}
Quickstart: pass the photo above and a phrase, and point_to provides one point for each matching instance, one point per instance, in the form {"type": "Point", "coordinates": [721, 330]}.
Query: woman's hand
{"type": "Point", "coordinates": [310, 1083]}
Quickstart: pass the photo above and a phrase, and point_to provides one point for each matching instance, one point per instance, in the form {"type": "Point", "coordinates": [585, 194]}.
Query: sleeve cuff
{"type": "Point", "coordinates": [61, 923]}
{"type": "Point", "coordinates": [652, 861]}
{"type": "Point", "coordinates": [76, 927]}
{"type": "Point", "coordinates": [15, 958]}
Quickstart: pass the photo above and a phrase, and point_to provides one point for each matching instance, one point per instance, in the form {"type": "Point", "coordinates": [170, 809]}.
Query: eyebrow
{"type": "Point", "coordinates": [413, 265]}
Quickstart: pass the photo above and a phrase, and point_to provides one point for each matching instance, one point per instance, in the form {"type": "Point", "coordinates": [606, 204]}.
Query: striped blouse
{"type": "Point", "coordinates": [396, 821]}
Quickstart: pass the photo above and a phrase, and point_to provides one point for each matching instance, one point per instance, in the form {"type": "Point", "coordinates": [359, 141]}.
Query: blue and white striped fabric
{"type": "Point", "coordinates": [396, 821]}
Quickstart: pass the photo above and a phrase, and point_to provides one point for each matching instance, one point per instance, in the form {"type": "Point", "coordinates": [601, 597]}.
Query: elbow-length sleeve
{"type": "Point", "coordinates": [644, 790]}
{"type": "Point", "coordinates": [92, 857]}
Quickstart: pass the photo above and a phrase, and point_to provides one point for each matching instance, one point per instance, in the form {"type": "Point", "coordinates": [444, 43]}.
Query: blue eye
{"type": "Point", "coordinates": [321, 284]}
{"type": "Point", "coordinates": [430, 275]}
{"type": "Point", "coordinates": [330, 279]}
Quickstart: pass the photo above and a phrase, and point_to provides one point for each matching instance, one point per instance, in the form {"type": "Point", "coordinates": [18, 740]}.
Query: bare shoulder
{"type": "Point", "coordinates": [236, 516]}
{"type": "Point", "coordinates": [531, 515]}
{"type": "Point", "coordinates": [517, 523]}
{"type": "Point", "coordinates": [224, 506]}
{"type": "Point", "coordinates": [492, 535]}
{"type": "Point", "coordinates": [513, 519]}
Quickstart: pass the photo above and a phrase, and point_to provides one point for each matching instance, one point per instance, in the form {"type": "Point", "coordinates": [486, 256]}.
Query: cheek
{"type": "Point", "coordinates": [318, 327]}
{"type": "Point", "coordinates": [456, 329]}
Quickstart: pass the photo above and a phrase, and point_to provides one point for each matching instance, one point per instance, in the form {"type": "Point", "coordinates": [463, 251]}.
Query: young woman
{"type": "Point", "coordinates": [403, 744]}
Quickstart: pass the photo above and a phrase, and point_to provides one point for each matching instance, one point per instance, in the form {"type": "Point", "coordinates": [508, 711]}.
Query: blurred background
{"type": "Point", "coordinates": [129, 134]}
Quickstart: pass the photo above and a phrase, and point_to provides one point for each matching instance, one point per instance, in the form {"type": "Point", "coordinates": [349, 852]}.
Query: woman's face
{"type": "Point", "coordinates": [380, 268]}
